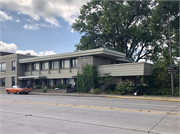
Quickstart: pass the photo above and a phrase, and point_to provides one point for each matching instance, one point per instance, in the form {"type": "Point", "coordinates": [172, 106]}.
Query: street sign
{"type": "Point", "coordinates": [172, 70]}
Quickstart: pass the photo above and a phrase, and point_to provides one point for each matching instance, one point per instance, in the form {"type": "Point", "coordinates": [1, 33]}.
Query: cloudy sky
{"type": "Point", "coordinates": [39, 27]}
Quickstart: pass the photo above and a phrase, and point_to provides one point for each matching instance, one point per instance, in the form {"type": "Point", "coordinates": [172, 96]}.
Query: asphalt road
{"type": "Point", "coordinates": [39, 114]}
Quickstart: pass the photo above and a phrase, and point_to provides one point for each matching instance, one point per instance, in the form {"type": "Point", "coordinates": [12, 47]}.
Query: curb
{"type": "Point", "coordinates": [107, 96]}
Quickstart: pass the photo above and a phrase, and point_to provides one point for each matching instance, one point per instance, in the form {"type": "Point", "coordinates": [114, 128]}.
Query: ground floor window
{"type": "Point", "coordinates": [13, 81]}
{"type": "Point", "coordinates": [49, 82]}
{"type": "Point", "coordinates": [57, 81]}
{"type": "Point", "coordinates": [2, 82]}
{"type": "Point", "coordinates": [38, 82]}
{"type": "Point", "coordinates": [67, 81]}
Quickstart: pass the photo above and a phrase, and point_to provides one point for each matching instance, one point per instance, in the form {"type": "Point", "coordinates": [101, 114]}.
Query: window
{"type": "Point", "coordinates": [57, 81]}
{"type": "Point", "coordinates": [13, 81]}
{"type": "Point", "coordinates": [2, 82]}
{"type": "Point", "coordinates": [35, 66]}
{"type": "Point", "coordinates": [44, 66]}
{"type": "Point", "coordinates": [3, 67]}
{"type": "Point", "coordinates": [49, 82]}
{"type": "Point", "coordinates": [65, 64]}
{"type": "Point", "coordinates": [70, 81]}
{"type": "Point", "coordinates": [54, 65]}
{"type": "Point", "coordinates": [27, 67]}
{"type": "Point", "coordinates": [74, 63]}
{"type": "Point", "coordinates": [13, 65]}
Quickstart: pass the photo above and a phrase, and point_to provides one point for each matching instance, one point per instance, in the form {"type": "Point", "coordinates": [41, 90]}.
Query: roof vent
{"type": "Point", "coordinates": [28, 54]}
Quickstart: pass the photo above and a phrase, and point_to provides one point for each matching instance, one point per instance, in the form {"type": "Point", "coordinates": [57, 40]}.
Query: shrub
{"type": "Point", "coordinates": [45, 89]}
{"type": "Point", "coordinates": [97, 91]}
{"type": "Point", "coordinates": [124, 87]}
{"type": "Point", "coordinates": [109, 91]}
{"type": "Point", "coordinates": [111, 87]}
{"type": "Point", "coordinates": [87, 80]}
{"type": "Point", "coordinates": [37, 87]}
{"type": "Point", "coordinates": [162, 91]}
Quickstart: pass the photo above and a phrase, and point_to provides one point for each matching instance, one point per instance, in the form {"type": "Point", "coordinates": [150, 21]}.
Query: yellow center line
{"type": "Point", "coordinates": [95, 107]}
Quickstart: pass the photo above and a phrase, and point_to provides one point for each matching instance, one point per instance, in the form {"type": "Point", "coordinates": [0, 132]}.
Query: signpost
{"type": "Point", "coordinates": [172, 70]}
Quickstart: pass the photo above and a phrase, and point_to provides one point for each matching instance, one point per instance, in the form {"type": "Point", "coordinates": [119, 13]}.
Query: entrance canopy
{"type": "Point", "coordinates": [31, 77]}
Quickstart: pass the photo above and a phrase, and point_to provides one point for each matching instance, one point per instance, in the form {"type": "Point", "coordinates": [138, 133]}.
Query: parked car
{"type": "Point", "coordinates": [18, 89]}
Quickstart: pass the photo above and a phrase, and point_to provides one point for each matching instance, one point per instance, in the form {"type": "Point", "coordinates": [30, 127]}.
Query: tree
{"type": "Point", "coordinates": [118, 25]}
{"type": "Point", "coordinates": [159, 23]}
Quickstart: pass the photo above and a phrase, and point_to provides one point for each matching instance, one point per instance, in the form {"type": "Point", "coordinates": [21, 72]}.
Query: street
{"type": "Point", "coordinates": [40, 114]}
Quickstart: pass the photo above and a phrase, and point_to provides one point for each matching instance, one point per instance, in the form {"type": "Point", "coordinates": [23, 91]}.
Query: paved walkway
{"type": "Point", "coordinates": [110, 96]}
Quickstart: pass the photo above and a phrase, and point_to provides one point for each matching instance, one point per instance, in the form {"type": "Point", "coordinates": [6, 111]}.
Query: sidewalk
{"type": "Point", "coordinates": [177, 99]}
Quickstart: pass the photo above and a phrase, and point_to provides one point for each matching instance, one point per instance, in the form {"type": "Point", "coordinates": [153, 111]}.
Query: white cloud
{"type": "Point", "coordinates": [48, 10]}
{"type": "Point", "coordinates": [52, 21]}
{"type": "Point", "coordinates": [31, 27]}
{"type": "Point", "coordinates": [4, 16]}
{"type": "Point", "coordinates": [17, 20]}
{"type": "Point", "coordinates": [34, 53]}
{"type": "Point", "coordinates": [5, 47]}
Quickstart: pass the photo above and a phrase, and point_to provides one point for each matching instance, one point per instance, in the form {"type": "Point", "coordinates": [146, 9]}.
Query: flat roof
{"type": "Point", "coordinates": [99, 51]}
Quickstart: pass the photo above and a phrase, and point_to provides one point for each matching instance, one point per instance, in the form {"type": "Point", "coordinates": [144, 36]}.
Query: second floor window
{"type": "Point", "coordinates": [35, 66]}
{"type": "Point", "coordinates": [13, 65]}
{"type": "Point", "coordinates": [65, 64]}
{"type": "Point", "coordinates": [2, 67]}
{"type": "Point", "coordinates": [27, 67]}
{"type": "Point", "coordinates": [44, 66]}
{"type": "Point", "coordinates": [54, 65]}
{"type": "Point", "coordinates": [74, 63]}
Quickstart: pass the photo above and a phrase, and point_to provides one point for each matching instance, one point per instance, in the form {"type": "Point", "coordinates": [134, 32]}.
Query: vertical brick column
{"type": "Point", "coordinates": [49, 67]}
{"type": "Point", "coordinates": [70, 65]}
{"type": "Point", "coordinates": [31, 68]}
{"type": "Point", "coordinates": [39, 67]}
{"type": "Point", "coordinates": [59, 66]}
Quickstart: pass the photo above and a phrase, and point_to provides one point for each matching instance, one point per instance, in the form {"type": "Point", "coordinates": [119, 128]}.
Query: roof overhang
{"type": "Point", "coordinates": [31, 77]}
{"type": "Point", "coordinates": [99, 51]}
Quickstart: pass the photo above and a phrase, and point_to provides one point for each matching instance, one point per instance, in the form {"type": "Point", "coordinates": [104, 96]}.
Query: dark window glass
{"type": "Point", "coordinates": [54, 65]}
{"type": "Point", "coordinates": [27, 67]}
{"type": "Point", "coordinates": [3, 67]}
{"type": "Point", "coordinates": [65, 64]}
{"type": "Point", "coordinates": [13, 65]}
{"type": "Point", "coordinates": [57, 81]}
{"type": "Point", "coordinates": [49, 82]}
{"type": "Point", "coordinates": [35, 66]}
{"type": "Point", "coordinates": [74, 63]}
{"type": "Point", "coordinates": [2, 80]}
{"type": "Point", "coordinates": [13, 81]}
{"type": "Point", "coordinates": [45, 66]}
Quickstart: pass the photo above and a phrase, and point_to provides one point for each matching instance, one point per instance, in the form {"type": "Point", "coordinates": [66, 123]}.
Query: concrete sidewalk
{"type": "Point", "coordinates": [177, 99]}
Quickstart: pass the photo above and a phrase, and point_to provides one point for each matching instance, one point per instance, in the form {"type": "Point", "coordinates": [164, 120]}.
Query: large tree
{"type": "Point", "coordinates": [118, 25]}
{"type": "Point", "coordinates": [166, 11]}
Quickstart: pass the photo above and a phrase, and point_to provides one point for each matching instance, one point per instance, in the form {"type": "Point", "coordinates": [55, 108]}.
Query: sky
{"type": "Point", "coordinates": [39, 27]}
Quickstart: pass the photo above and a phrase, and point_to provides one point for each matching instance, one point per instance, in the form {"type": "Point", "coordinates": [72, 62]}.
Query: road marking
{"type": "Point", "coordinates": [143, 98]}
{"type": "Point", "coordinates": [94, 107]}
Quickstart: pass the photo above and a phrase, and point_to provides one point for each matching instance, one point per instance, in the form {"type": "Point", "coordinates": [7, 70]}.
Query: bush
{"type": "Point", "coordinates": [109, 91]}
{"type": "Point", "coordinates": [45, 89]}
{"type": "Point", "coordinates": [37, 87]}
{"type": "Point", "coordinates": [87, 80]}
{"type": "Point", "coordinates": [162, 91]}
{"type": "Point", "coordinates": [97, 91]}
{"type": "Point", "coordinates": [124, 87]}
{"type": "Point", "coordinates": [111, 87]}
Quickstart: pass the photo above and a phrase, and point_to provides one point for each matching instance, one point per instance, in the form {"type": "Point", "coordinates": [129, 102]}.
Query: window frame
{"type": "Point", "coordinates": [1, 64]}
{"type": "Point", "coordinates": [2, 83]}
{"type": "Point", "coordinates": [74, 63]}
{"type": "Point", "coordinates": [13, 65]}
{"type": "Point", "coordinates": [35, 67]}
{"type": "Point", "coordinates": [43, 66]}
{"type": "Point", "coordinates": [52, 65]}
{"type": "Point", "coordinates": [63, 64]}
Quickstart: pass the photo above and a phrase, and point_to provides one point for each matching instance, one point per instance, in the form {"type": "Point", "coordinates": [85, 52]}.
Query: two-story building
{"type": "Point", "coordinates": [18, 69]}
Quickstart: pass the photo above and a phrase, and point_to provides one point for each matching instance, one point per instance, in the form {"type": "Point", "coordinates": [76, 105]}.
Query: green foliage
{"type": "Point", "coordinates": [124, 87]}
{"type": "Point", "coordinates": [38, 87]}
{"type": "Point", "coordinates": [162, 91]}
{"type": "Point", "coordinates": [97, 91]}
{"type": "Point", "coordinates": [114, 25]}
{"type": "Point", "coordinates": [88, 79]}
{"type": "Point", "coordinates": [45, 89]}
{"type": "Point", "coordinates": [66, 86]}
{"type": "Point", "coordinates": [104, 79]}
{"type": "Point", "coordinates": [109, 91]}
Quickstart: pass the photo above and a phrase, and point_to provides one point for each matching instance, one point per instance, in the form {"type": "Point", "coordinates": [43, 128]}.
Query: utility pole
{"type": "Point", "coordinates": [172, 81]}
